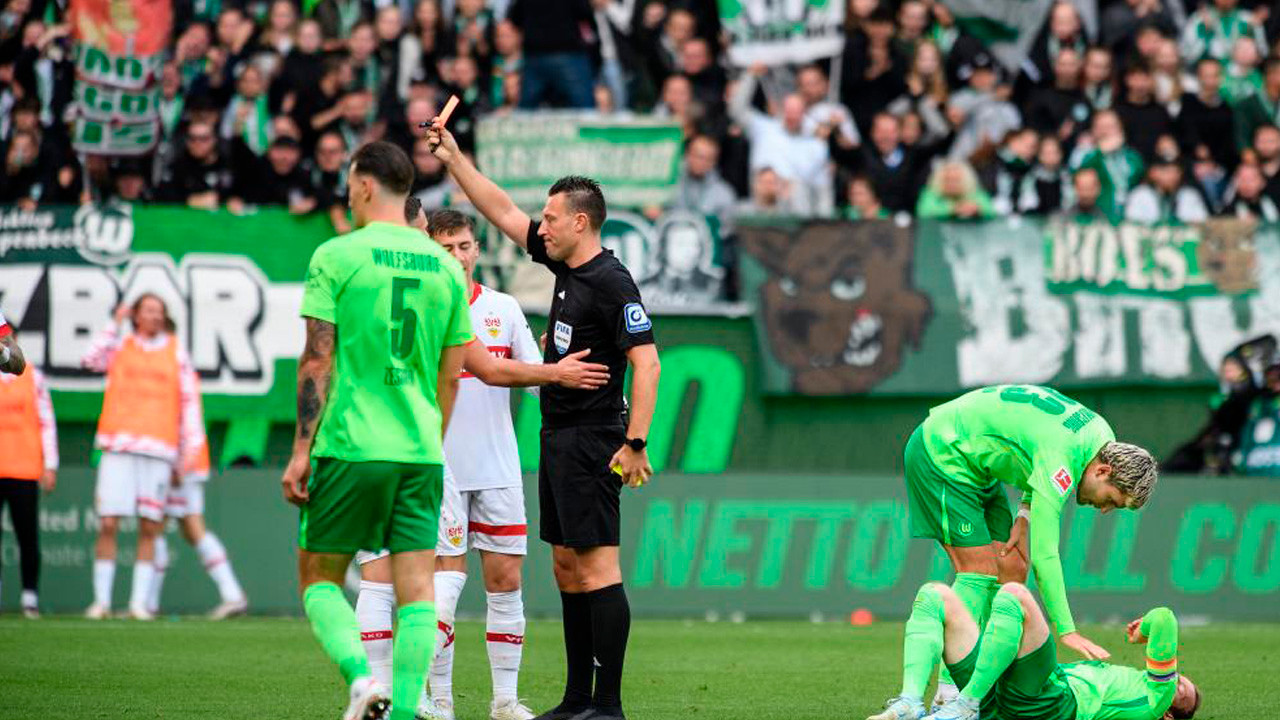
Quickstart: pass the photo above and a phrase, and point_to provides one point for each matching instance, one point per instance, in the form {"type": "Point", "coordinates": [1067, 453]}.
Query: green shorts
{"type": "Point", "coordinates": [371, 505]}
{"type": "Point", "coordinates": [950, 505]}
{"type": "Point", "coordinates": [1034, 687]}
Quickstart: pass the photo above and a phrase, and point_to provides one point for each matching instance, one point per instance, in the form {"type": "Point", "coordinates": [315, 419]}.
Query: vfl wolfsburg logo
{"type": "Point", "coordinates": [104, 235]}
{"type": "Point", "coordinates": [965, 528]}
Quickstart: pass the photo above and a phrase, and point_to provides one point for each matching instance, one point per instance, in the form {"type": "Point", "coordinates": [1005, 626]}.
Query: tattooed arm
{"type": "Point", "coordinates": [315, 367]}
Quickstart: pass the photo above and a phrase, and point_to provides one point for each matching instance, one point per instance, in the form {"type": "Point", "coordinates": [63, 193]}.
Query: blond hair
{"type": "Point", "coordinates": [1133, 471]}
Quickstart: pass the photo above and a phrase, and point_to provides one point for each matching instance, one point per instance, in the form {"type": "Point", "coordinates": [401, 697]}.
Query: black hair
{"type": "Point", "coordinates": [387, 164]}
{"type": "Point", "coordinates": [447, 222]}
{"type": "Point", "coordinates": [582, 195]}
{"type": "Point", "coordinates": [1187, 714]}
{"type": "Point", "coordinates": [412, 206]}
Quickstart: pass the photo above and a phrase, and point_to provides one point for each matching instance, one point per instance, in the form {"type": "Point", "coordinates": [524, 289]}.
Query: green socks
{"type": "Point", "coordinates": [922, 643]}
{"type": "Point", "coordinates": [975, 592]}
{"type": "Point", "coordinates": [415, 641]}
{"type": "Point", "coordinates": [1000, 641]}
{"type": "Point", "coordinates": [334, 623]}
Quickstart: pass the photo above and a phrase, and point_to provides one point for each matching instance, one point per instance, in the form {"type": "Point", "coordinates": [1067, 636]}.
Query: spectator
{"type": "Point", "coordinates": [318, 107]}
{"type": "Point", "coordinates": [913, 25]}
{"type": "Point", "coordinates": [1266, 153]}
{"type": "Point", "coordinates": [235, 32]}
{"type": "Point", "coordinates": [705, 77]}
{"type": "Point", "coordinates": [406, 131]}
{"type": "Point", "coordinates": [354, 124]}
{"type": "Point", "coordinates": [1143, 118]}
{"type": "Point", "coordinates": [473, 101]}
{"type": "Point", "coordinates": [1063, 31]}
{"type": "Point", "coordinates": [863, 203]}
{"type": "Point", "coordinates": [366, 66]}
{"type": "Point", "coordinates": [1260, 107]}
{"type": "Point", "coordinates": [1214, 29]}
{"type": "Point", "coordinates": [1098, 85]}
{"type": "Point", "coordinates": [388, 27]}
{"type": "Point", "coordinates": [953, 193]}
{"type": "Point", "coordinates": [328, 174]}
{"type": "Point", "coordinates": [1002, 171]}
{"type": "Point", "coordinates": [303, 65]}
{"type": "Point", "coordinates": [1166, 71]}
{"type": "Point", "coordinates": [1243, 78]}
{"type": "Point", "coordinates": [1119, 166]}
{"type": "Point", "coordinates": [472, 30]}
{"type": "Point", "coordinates": [896, 170]}
{"type": "Point", "coordinates": [199, 178]}
{"type": "Point", "coordinates": [279, 181]}
{"type": "Point", "coordinates": [1060, 108]}
{"type": "Point", "coordinates": [1121, 20]}
{"type": "Point", "coordinates": [981, 111]}
{"type": "Point", "coordinates": [338, 18]}
{"type": "Point", "coordinates": [280, 34]}
{"type": "Point", "coordinates": [700, 188]}
{"type": "Point", "coordinates": [613, 26]}
{"type": "Point", "coordinates": [926, 92]}
{"type": "Point", "coordinates": [248, 117]}
{"type": "Point", "coordinates": [1047, 189]}
{"type": "Point", "coordinates": [1165, 199]}
{"type": "Point", "coordinates": [1206, 120]}
{"type": "Point", "coordinates": [131, 182]}
{"type": "Point", "coordinates": [508, 59]}
{"type": "Point", "coordinates": [1246, 197]}
{"type": "Point", "coordinates": [1087, 207]}
{"type": "Point", "coordinates": [23, 180]}
{"type": "Point", "coordinates": [873, 68]}
{"type": "Point", "coordinates": [770, 195]}
{"type": "Point", "coordinates": [557, 69]}
{"type": "Point", "coordinates": [660, 36]}
{"type": "Point", "coordinates": [422, 48]}
{"type": "Point", "coordinates": [430, 179]}
{"type": "Point", "coordinates": [823, 116]}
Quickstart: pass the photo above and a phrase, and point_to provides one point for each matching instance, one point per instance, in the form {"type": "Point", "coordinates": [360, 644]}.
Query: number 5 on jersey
{"type": "Point", "coordinates": [406, 317]}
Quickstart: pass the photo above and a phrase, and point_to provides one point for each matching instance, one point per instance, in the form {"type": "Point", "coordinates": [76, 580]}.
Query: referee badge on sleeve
{"type": "Point", "coordinates": [637, 319]}
{"type": "Point", "coordinates": [563, 335]}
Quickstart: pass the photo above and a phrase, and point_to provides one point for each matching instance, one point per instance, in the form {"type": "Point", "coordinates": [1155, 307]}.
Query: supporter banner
{"type": "Point", "coordinates": [768, 545]}
{"type": "Point", "coordinates": [119, 54]}
{"type": "Point", "coordinates": [874, 307]}
{"type": "Point", "coordinates": [636, 160]}
{"type": "Point", "coordinates": [776, 32]}
{"type": "Point", "coordinates": [1007, 27]}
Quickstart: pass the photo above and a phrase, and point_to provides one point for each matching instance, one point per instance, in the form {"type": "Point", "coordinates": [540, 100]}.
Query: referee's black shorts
{"type": "Point", "coordinates": [577, 492]}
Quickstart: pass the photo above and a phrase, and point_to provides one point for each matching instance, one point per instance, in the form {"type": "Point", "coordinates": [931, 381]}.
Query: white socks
{"type": "Point", "coordinates": [214, 558]}
{"type": "Point", "coordinates": [143, 575]}
{"type": "Point", "coordinates": [104, 577]}
{"type": "Point", "coordinates": [29, 600]}
{"type": "Point", "coordinates": [161, 562]}
{"type": "Point", "coordinates": [448, 589]}
{"type": "Point", "coordinates": [504, 638]}
{"type": "Point", "coordinates": [375, 608]}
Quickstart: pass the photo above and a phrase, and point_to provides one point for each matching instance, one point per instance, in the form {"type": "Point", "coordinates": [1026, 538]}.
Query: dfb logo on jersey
{"type": "Point", "coordinates": [637, 319]}
{"type": "Point", "coordinates": [1062, 480]}
{"type": "Point", "coordinates": [493, 325]}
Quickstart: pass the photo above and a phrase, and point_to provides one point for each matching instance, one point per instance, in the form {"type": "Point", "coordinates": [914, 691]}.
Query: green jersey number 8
{"type": "Point", "coordinates": [1045, 400]}
{"type": "Point", "coordinates": [406, 317]}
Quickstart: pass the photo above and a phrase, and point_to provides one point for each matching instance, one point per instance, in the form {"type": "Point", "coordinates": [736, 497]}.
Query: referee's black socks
{"type": "Point", "coordinates": [576, 608]}
{"type": "Point", "coordinates": [610, 627]}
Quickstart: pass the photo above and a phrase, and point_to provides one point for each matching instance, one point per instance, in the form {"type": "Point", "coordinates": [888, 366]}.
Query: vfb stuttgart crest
{"type": "Point", "coordinates": [454, 533]}
{"type": "Point", "coordinates": [493, 325]}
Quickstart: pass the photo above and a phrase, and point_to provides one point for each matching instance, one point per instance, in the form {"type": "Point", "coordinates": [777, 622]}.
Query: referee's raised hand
{"type": "Point", "coordinates": [441, 142]}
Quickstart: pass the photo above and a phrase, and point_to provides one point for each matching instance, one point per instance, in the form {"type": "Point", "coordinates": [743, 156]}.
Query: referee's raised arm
{"type": "Point", "coordinates": [488, 198]}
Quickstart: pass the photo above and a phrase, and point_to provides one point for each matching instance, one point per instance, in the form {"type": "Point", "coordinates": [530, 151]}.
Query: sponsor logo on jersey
{"type": "Point", "coordinates": [1062, 480]}
{"type": "Point", "coordinates": [493, 325]}
{"type": "Point", "coordinates": [637, 319]}
{"type": "Point", "coordinates": [563, 335]}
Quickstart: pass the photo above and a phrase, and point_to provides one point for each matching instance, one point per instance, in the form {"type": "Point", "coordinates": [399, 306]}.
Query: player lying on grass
{"type": "Point", "coordinates": [1045, 444]}
{"type": "Point", "coordinates": [1014, 662]}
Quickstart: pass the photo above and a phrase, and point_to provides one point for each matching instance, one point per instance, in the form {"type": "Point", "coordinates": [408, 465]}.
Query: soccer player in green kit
{"type": "Point", "coordinates": [1014, 662]}
{"type": "Point", "coordinates": [387, 324]}
{"type": "Point", "coordinates": [1045, 444]}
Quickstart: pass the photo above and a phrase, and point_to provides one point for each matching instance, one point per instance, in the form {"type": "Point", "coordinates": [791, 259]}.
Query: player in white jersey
{"type": "Point", "coordinates": [483, 502]}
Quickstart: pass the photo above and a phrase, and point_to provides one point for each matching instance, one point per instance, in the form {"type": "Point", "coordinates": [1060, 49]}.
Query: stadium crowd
{"type": "Point", "coordinates": [1164, 111]}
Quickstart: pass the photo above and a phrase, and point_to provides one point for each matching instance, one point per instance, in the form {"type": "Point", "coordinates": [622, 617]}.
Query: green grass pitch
{"type": "Point", "coordinates": [269, 669]}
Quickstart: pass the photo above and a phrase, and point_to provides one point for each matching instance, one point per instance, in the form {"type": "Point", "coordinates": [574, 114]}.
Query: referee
{"type": "Point", "coordinates": [588, 437]}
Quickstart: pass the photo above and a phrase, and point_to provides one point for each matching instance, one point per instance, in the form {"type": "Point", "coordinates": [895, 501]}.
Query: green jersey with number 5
{"type": "Point", "coordinates": [1034, 438]}
{"type": "Point", "coordinates": [397, 300]}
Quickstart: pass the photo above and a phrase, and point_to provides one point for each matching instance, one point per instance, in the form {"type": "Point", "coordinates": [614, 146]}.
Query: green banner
{"type": "Point", "coordinates": [777, 32]}
{"type": "Point", "coordinates": [635, 160]}
{"type": "Point", "coordinates": [876, 307]}
{"type": "Point", "coordinates": [764, 545]}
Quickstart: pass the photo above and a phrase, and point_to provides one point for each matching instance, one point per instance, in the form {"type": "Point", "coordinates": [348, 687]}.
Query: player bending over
{"type": "Point", "coordinates": [1045, 444]}
{"type": "Point", "coordinates": [483, 503]}
{"type": "Point", "coordinates": [1014, 660]}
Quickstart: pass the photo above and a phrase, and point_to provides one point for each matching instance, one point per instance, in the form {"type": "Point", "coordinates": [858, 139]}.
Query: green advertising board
{"type": "Point", "coordinates": [771, 545]}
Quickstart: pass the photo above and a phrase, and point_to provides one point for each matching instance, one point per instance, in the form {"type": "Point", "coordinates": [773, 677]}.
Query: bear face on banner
{"type": "Point", "coordinates": [838, 306]}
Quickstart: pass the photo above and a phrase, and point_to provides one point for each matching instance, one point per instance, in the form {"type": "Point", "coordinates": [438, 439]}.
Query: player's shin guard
{"type": "Point", "coordinates": [214, 557]}
{"type": "Point", "coordinates": [922, 642]}
{"type": "Point", "coordinates": [161, 563]}
{"type": "Point", "coordinates": [999, 647]}
{"type": "Point", "coordinates": [334, 624]}
{"type": "Point", "coordinates": [610, 628]}
{"type": "Point", "coordinates": [375, 610]}
{"type": "Point", "coordinates": [975, 591]}
{"type": "Point", "coordinates": [414, 643]}
{"type": "Point", "coordinates": [504, 638]}
{"type": "Point", "coordinates": [449, 586]}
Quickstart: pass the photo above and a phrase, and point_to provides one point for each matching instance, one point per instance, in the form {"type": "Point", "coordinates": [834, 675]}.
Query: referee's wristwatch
{"type": "Point", "coordinates": [637, 444]}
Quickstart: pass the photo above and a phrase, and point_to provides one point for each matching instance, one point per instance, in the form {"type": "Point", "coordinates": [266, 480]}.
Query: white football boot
{"type": "Point", "coordinates": [97, 612]}
{"type": "Point", "coordinates": [432, 709]}
{"type": "Point", "coordinates": [229, 609]}
{"type": "Point", "coordinates": [946, 693]}
{"type": "Point", "coordinates": [369, 700]}
{"type": "Point", "coordinates": [962, 708]}
{"type": "Point", "coordinates": [509, 709]}
{"type": "Point", "coordinates": [901, 708]}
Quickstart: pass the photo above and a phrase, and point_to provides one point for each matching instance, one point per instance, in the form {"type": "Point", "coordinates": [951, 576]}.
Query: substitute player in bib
{"type": "Point", "coordinates": [591, 443]}
{"type": "Point", "coordinates": [387, 325]}
{"type": "Point", "coordinates": [491, 519]}
{"type": "Point", "coordinates": [150, 428]}
{"type": "Point", "coordinates": [1013, 661]}
{"type": "Point", "coordinates": [1040, 441]}
{"type": "Point", "coordinates": [28, 464]}
{"type": "Point", "coordinates": [11, 358]}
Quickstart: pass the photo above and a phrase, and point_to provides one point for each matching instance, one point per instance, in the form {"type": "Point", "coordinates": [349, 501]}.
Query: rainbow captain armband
{"type": "Point", "coordinates": [1162, 670]}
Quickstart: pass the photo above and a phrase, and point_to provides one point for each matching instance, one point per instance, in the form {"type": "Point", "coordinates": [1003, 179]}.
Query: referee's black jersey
{"type": "Point", "coordinates": [596, 306]}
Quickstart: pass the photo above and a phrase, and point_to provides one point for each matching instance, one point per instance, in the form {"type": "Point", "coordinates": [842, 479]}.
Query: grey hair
{"type": "Point", "coordinates": [1133, 471]}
